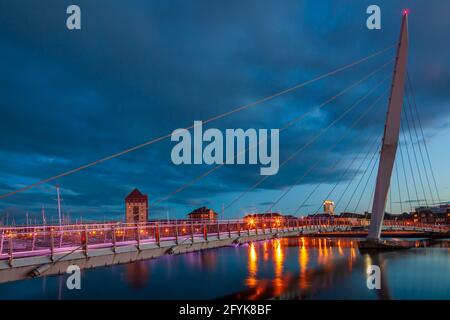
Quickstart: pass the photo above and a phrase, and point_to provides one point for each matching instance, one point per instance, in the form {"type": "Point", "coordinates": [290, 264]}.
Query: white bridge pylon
{"type": "Point", "coordinates": [391, 134]}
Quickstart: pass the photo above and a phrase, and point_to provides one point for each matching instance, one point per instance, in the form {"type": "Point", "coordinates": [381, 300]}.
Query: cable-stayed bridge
{"type": "Point", "coordinates": [37, 250]}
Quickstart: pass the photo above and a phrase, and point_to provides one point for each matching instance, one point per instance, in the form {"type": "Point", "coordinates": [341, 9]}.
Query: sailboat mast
{"type": "Point", "coordinates": [59, 204]}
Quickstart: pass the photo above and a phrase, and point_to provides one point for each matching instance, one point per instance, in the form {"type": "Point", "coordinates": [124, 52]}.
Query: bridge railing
{"type": "Point", "coordinates": [49, 240]}
{"type": "Point", "coordinates": [408, 225]}
{"type": "Point", "coordinates": [43, 240]}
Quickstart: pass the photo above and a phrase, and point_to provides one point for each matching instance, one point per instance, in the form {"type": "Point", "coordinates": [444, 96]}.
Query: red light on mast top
{"type": "Point", "coordinates": [405, 12]}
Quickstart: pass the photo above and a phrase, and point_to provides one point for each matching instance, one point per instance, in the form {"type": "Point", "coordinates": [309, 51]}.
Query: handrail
{"type": "Point", "coordinates": [49, 240]}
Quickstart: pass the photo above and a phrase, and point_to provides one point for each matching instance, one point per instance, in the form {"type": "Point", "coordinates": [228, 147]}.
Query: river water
{"type": "Point", "coordinates": [290, 268]}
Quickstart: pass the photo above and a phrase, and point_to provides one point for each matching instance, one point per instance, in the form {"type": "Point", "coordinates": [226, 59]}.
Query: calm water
{"type": "Point", "coordinates": [295, 268]}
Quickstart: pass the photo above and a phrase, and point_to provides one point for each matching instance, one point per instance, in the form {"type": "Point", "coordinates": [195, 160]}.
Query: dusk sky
{"type": "Point", "coordinates": [140, 69]}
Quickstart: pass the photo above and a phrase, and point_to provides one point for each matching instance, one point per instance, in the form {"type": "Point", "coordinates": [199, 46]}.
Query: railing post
{"type": "Point", "coordinates": [192, 232]}
{"type": "Point", "coordinates": [113, 228]}
{"type": "Point", "coordinates": [205, 233]}
{"type": "Point", "coordinates": [11, 250]}
{"type": "Point", "coordinates": [105, 233]}
{"type": "Point", "coordinates": [52, 245]}
{"type": "Point", "coordinates": [176, 232]}
{"type": "Point", "coordinates": [248, 229]}
{"type": "Point", "coordinates": [239, 228]}
{"type": "Point", "coordinates": [1, 241]}
{"type": "Point", "coordinates": [218, 230]}
{"type": "Point", "coordinates": [138, 237]}
{"type": "Point", "coordinates": [228, 228]}
{"type": "Point", "coordinates": [158, 234]}
{"type": "Point", "coordinates": [60, 236]}
{"type": "Point", "coordinates": [34, 239]}
{"type": "Point", "coordinates": [85, 240]}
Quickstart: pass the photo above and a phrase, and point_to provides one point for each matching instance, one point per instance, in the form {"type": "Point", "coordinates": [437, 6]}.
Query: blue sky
{"type": "Point", "coordinates": [140, 69]}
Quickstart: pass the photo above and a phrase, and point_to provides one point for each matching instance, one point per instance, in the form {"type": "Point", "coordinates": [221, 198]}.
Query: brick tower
{"type": "Point", "coordinates": [136, 207]}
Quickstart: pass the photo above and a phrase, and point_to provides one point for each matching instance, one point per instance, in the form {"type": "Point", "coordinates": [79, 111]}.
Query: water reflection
{"type": "Point", "coordinates": [278, 260]}
{"type": "Point", "coordinates": [377, 259]}
{"type": "Point", "coordinates": [303, 262]}
{"type": "Point", "coordinates": [295, 268]}
{"type": "Point", "coordinates": [252, 266]}
{"type": "Point", "coordinates": [321, 263]}
{"type": "Point", "coordinates": [266, 251]}
{"type": "Point", "coordinates": [137, 274]}
{"type": "Point", "coordinates": [324, 264]}
{"type": "Point", "coordinates": [321, 272]}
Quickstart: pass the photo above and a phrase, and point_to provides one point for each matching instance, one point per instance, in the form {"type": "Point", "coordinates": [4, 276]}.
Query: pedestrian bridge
{"type": "Point", "coordinates": [32, 251]}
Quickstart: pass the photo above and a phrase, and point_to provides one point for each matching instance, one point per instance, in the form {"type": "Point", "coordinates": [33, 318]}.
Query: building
{"type": "Point", "coordinates": [203, 213]}
{"type": "Point", "coordinates": [276, 218]}
{"type": "Point", "coordinates": [136, 207]}
{"type": "Point", "coordinates": [320, 216]}
{"type": "Point", "coordinates": [328, 207]}
{"type": "Point", "coordinates": [440, 209]}
{"type": "Point", "coordinates": [431, 217]}
{"type": "Point", "coordinates": [354, 215]}
{"type": "Point", "coordinates": [433, 214]}
{"type": "Point", "coordinates": [259, 217]}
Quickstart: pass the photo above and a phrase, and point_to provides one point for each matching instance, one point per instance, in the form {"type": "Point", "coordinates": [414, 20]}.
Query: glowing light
{"type": "Point", "coordinates": [277, 222]}
{"type": "Point", "coordinates": [279, 263]}
{"type": "Point", "coordinates": [405, 12]}
{"type": "Point", "coordinates": [303, 261]}
{"type": "Point", "coordinates": [252, 280]}
{"type": "Point", "coordinates": [341, 252]}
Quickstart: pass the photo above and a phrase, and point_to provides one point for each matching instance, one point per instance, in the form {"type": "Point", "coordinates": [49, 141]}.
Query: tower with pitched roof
{"type": "Point", "coordinates": [136, 207]}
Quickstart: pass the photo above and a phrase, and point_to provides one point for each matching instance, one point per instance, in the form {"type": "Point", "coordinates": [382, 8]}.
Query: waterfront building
{"type": "Point", "coordinates": [262, 216]}
{"type": "Point", "coordinates": [433, 214]}
{"type": "Point", "coordinates": [203, 213]}
{"type": "Point", "coordinates": [136, 207]}
{"type": "Point", "coordinates": [259, 217]}
{"type": "Point", "coordinates": [443, 208]}
{"type": "Point", "coordinates": [328, 207]}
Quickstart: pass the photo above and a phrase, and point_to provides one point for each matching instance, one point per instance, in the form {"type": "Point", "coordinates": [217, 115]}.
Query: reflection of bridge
{"type": "Point", "coordinates": [45, 250]}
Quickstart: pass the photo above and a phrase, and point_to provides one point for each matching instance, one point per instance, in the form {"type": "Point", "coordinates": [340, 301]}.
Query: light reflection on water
{"type": "Point", "coordinates": [294, 268]}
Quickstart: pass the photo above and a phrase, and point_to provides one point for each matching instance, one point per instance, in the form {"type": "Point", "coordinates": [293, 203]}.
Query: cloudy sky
{"type": "Point", "coordinates": [140, 69]}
